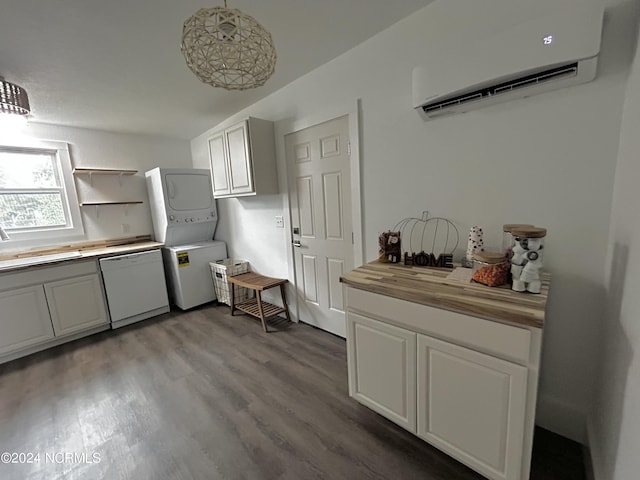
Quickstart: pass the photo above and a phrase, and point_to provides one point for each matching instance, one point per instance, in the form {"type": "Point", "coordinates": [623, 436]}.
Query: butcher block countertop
{"type": "Point", "coordinates": [429, 286]}
{"type": "Point", "coordinates": [81, 251]}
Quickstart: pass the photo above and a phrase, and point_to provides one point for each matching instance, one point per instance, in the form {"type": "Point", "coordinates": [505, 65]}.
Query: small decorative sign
{"type": "Point", "coordinates": [422, 259]}
{"type": "Point", "coordinates": [437, 234]}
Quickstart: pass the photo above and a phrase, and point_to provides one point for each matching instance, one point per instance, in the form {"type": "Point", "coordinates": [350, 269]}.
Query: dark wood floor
{"type": "Point", "coordinates": [203, 395]}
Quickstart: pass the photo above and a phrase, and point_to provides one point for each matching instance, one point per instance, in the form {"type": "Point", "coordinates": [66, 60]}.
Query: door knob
{"type": "Point", "coordinates": [296, 243]}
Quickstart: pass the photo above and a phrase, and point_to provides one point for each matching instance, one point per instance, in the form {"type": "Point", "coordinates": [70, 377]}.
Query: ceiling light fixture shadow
{"type": "Point", "coordinates": [13, 99]}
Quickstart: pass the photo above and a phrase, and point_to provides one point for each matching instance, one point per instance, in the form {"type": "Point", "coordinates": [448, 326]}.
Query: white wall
{"type": "Point", "coordinates": [547, 160]}
{"type": "Point", "coordinates": [614, 431]}
{"type": "Point", "coordinates": [94, 148]}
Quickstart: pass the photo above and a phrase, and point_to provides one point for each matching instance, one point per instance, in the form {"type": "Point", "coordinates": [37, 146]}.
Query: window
{"type": "Point", "coordinates": [31, 191]}
{"type": "Point", "coordinates": [37, 195]}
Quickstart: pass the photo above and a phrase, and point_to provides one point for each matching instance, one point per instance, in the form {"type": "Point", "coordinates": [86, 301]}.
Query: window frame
{"type": "Point", "coordinates": [74, 229]}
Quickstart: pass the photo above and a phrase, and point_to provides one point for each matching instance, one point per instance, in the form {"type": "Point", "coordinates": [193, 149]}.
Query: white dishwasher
{"type": "Point", "coordinates": [135, 286]}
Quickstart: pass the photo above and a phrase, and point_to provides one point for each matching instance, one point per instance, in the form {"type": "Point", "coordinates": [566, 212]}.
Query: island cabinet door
{"type": "Point", "coordinates": [76, 304]}
{"type": "Point", "coordinates": [24, 318]}
{"type": "Point", "coordinates": [472, 406]}
{"type": "Point", "coordinates": [382, 368]}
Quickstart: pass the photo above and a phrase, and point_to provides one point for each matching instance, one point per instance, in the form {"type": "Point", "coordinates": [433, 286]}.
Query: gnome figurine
{"type": "Point", "coordinates": [526, 262]}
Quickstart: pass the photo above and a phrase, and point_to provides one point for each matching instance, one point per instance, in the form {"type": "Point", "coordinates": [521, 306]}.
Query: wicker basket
{"type": "Point", "coordinates": [229, 267]}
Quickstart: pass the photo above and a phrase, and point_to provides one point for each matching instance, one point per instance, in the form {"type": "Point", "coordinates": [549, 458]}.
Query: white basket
{"type": "Point", "coordinates": [229, 267]}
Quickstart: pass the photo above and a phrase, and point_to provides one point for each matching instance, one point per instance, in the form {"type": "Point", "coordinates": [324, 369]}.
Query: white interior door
{"type": "Point", "coordinates": [320, 197]}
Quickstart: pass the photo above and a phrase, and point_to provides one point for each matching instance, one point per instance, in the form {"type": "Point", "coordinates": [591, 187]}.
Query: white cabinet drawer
{"type": "Point", "coordinates": [506, 341]}
{"type": "Point", "coordinates": [39, 275]}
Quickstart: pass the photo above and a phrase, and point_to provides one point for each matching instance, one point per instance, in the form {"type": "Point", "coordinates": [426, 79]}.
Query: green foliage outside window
{"type": "Point", "coordinates": [31, 195]}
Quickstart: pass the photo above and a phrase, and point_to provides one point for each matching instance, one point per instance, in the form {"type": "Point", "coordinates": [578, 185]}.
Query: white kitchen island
{"type": "Point", "coordinates": [455, 363]}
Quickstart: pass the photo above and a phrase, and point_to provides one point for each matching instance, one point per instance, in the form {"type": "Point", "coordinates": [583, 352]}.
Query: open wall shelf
{"type": "Point", "coordinates": [84, 204]}
{"type": "Point", "coordinates": [97, 205]}
{"type": "Point", "coordinates": [103, 171]}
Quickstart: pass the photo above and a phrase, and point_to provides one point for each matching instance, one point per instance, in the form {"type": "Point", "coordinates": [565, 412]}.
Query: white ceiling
{"type": "Point", "coordinates": [116, 64]}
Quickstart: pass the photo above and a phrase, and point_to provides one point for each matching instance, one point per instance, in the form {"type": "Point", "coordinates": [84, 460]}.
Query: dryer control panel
{"type": "Point", "coordinates": [189, 218]}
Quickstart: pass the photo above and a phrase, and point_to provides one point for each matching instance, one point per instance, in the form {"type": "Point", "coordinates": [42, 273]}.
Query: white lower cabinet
{"type": "Point", "coordinates": [45, 306]}
{"type": "Point", "coordinates": [76, 304]}
{"type": "Point", "coordinates": [464, 384]}
{"type": "Point", "coordinates": [24, 319]}
{"type": "Point", "coordinates": [472, 406]}
{"type": "Point", "coordinates": [382, 368]}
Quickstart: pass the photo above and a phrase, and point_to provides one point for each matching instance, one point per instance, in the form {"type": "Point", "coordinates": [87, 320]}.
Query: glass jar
{"type": "Point", "coordinates": [526, 261]}
{"type": "Point", "coordinates": [491, 268]}
{"type": "Point", "coordinates": [507, 236]}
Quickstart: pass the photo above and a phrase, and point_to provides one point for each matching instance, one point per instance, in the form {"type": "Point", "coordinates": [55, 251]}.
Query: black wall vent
{"type": "Point", "coordinates": [539, 78]}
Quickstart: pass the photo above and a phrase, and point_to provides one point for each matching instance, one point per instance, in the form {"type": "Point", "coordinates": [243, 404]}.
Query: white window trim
{"type": "Point", "coordinates": [20, 239]}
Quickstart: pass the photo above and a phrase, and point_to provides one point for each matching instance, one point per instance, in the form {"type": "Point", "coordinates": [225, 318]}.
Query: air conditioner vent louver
{"type": "Point", "coordinates": [536, 79]}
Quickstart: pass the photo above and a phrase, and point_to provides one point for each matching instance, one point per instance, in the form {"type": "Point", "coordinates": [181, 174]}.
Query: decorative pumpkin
{"type": "Point", "coordinates": [437, 236]}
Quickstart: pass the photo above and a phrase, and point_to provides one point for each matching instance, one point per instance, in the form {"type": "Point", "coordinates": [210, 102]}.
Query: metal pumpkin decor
{"type": "Point", "coordinates": [428, 242]}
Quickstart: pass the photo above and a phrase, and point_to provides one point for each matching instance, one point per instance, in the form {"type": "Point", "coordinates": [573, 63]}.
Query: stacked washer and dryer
{"type": "Point", "coordinates": [184, 217]}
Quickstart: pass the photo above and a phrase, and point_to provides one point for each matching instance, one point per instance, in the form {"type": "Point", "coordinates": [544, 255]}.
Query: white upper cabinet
{"type": "Point", "coordinates": [219, 170]}
{"type": "Point", "coordinates": [243, 160]}
{"type": "Point", "coordinates": [240, 168]}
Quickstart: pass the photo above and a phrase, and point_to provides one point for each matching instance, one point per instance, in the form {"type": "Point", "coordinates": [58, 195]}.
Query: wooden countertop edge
{"type": "Point", "coordinates": [80, 246]}
{"type": "Point", "coordinates": [119, 249]}
{"type": "Point", "coordinates": [95, 254]}
{"type": "Point", "coordinates": [432, 289]}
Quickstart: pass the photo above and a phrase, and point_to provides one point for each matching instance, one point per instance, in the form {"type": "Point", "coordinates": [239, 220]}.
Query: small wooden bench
{"type": "Point", "coordinates": [255, 306]}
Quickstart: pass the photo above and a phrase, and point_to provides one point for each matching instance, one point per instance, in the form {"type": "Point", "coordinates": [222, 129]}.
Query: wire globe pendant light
{"type": "Point", "coordinates": [227, 48]}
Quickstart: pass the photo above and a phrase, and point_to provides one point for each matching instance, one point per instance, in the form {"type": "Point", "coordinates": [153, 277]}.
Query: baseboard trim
{"type": "Point", "coordinates": [558, 417]}
{"type": "Point", "coordinates": [54, 342]}
{"type": "Point", "coordinates": [588, 463]}
{"type": "Point", "coordinates": [593, 462]}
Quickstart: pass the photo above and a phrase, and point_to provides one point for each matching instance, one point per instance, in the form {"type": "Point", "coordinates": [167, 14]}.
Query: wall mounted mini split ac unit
{"type": "Point", "coordinates": [556, 49]}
